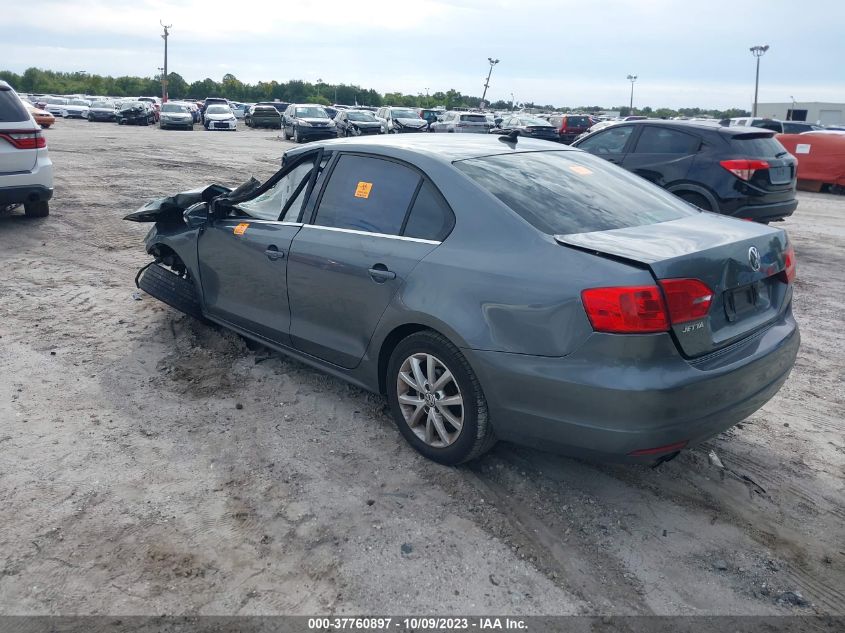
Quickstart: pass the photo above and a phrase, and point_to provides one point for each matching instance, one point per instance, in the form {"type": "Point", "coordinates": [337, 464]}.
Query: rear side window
{"type": "Point", "coordinates": [474, 118]}
{"type": "Point", "coordinates": [11, 108]}
{"type": "Point", "coordinates": [367, 194]}
{"type": "Point", "coordinates": [572, 192]}
{"type": "Point", "coordinates": [430, 218]}
{"type": "Point", "coordinates": [660, 140]}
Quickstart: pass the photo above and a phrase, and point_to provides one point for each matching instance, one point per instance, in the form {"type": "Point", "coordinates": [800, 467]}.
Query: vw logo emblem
{"type": "Point", "coordinates": [754, 258]}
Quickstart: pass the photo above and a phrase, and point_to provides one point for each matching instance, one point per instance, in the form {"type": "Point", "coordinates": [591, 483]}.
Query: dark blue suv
{"type": "Point", "coordinates": [738, 171]}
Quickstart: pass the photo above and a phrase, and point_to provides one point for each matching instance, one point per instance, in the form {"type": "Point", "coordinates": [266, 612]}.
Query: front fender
{"type": "Point", "coordinates": [181, 239]}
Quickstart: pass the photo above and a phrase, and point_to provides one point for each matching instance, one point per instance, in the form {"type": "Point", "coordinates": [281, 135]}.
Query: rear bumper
{"type": "Point", "coordinates": [26, 193]}
{"type": "Point", "coordinates": [606, 400]}
{"type": "Point", "coordinates": [29, 186]}
{"type": "Point", "coordinates": [765, 212]}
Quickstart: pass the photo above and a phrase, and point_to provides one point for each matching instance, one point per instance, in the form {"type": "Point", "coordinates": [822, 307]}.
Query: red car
{"type": "Point", "coordinates": [570, 126]}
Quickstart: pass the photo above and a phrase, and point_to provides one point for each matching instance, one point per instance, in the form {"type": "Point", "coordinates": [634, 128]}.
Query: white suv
{"type": "Point", "coordinates": [26, 172]}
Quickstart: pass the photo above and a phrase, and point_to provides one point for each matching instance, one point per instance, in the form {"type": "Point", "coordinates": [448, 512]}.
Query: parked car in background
{"type": "Point", "coordinates": [76, 109]}
{"type": "Point", "coordinates": [135, 113]}
{"type": "Point", "coordinates": [102, 111]}
{"type": "Point", "coordinates": [53, 105]}
{"type": "Point", "coordinates": [332, 112]}
{"type": "Point", "coordinates": [304, 122]}
{"type": "Point", "coordinates": [521, 291]}
{"type": "Point", "coordinates": [176, 115]}
{"type": "Point", "coordinates": [523, 125]}
{"type": "Point", "coordinates": [26, 171]}
{"type": "Point", "coordinates": [238, 109]}
{"type": "Point", "coordinates": [220, 117]}
{"type": "Point", "coordinates": [781, 127]}
{"type": "Point", "coordinates": [212, 101]}
{"type": "Point", "coordinates": [281, 106]}
{"type": "Point", "coordinates": [570, 126]}
{"type": "Point", "coordinates": [263, 116]}
{"type": "Point", "coordinates": [401, 120]}
{"type": "Point", "coordinates": [461, 122]}
{"type": "Point", "coordinates": [738, 171]}
{"type": "Point", "coordinates": [42, 117]}
{"type": "Point", "coordinates": [429, 115]}
{"type": "Point", "coordinates": [356, 123]}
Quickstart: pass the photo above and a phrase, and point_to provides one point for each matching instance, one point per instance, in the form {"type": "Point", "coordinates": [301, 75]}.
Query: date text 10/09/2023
{"type": "Point", "coordinates": [417, 624]}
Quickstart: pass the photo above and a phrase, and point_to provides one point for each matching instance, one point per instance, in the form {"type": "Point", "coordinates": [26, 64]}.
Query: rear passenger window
{"type": "Point", "coordinates": [660, 140]}
{"type": "Point", "coordinates": [367, 194]}
{"type": "Point", "coordinates": [11, 108]}
{"type": "Point", "coordinates": [431, 218]}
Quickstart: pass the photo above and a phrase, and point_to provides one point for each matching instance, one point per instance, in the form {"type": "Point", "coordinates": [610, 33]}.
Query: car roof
{"type": "Point", "coordinates": [443, 147]}
{"type": "Point", "coordinates": [699, 126]}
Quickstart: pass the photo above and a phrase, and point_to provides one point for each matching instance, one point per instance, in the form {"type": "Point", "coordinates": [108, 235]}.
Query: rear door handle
{"type": "Point", "coordinates": [380, 273]}
{"type": "Point", "coordinates": [273, 253]}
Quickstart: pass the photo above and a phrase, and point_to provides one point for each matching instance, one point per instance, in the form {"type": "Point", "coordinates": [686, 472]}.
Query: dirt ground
{"type": "Point", "coordinates": [150, 464]}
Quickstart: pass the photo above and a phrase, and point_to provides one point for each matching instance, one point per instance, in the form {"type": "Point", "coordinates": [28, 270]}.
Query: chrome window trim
{"type": "Point", "coordinates": [372, 234]}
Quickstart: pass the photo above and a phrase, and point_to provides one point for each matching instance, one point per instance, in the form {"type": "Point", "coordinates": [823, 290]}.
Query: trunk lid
{"type": "Point", "coordinates": [716, 250]}
{"type": "Point", "coordinates": [762, 145]}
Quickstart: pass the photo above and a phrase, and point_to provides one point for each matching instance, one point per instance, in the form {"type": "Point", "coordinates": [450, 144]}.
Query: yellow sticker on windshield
{"type": "Point", "coordinates": [580, 170]}
{"type": "Point", "coordinates": [241, 228]}
{"type": "Point", "coordinates": [363, 190]}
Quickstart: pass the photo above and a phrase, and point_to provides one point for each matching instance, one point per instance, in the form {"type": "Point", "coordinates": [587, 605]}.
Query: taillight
{"type": "Point", "coordinates": [688, 299]}
{"type": "Point", "coordinates": [787, 275]}
{"type": "Point", "coordinates": [25, 140]}
{"type": "Point", "coordinates": [744, 168]}
{"type": "Point", "coordinates": [626, 309]}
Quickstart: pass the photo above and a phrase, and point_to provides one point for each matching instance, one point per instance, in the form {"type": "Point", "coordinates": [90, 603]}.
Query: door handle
{"type": "Point", "coordinates": [380, 273]}
{"type": "Point", "coordinates": [273, 253]}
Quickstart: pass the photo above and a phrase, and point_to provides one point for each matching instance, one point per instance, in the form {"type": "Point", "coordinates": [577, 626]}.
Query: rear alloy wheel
{"type": "Point", "coordinates": [437, 401]}
{"type": "Point", "coordinates": [696, 199]}
{"type": "Point", "coordinates": [38, 209]}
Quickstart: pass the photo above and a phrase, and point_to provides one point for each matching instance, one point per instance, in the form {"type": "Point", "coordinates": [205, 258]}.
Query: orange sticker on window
{"type": "Point", "coordinates": [363, 190]}
{"type": "Point", "coordinates": [581, 171]}
{"type": "Point", "coordinates": [241, 228]}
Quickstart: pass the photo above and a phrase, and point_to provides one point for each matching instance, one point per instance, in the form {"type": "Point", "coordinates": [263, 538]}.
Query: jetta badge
{"type": "Point", "coordinates": [754, 258]}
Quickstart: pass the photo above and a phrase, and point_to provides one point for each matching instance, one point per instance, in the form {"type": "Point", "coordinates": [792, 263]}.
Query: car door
{"type": "Point", "coordinates": [611, 143]}
{"type": "Point", "coordinates": [243, 256]}
{"type": "Point", "coordinates": [346, 266]}
{"type": "Point", "coordinates": [662, 155]}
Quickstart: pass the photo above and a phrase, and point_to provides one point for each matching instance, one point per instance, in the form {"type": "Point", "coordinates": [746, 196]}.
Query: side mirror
{"type": "Point", "coordinates": [196, 215]}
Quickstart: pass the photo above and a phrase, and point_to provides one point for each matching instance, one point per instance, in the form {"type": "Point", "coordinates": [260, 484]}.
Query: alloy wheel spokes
{"type": "Point", "coordinates": [430, 399]}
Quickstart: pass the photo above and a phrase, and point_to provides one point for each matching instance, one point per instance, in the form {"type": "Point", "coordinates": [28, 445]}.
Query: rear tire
{"type": "Point", "coordinates": [419, 423]}
{"type": "Point", "coordinates": [695, 199]}
{"type": "Point", "coordinates": [39, 209]}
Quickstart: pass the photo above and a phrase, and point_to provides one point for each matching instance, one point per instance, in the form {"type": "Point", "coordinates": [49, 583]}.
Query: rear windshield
{"type": "Point", "coordinates": [560, 193]}
{"type": "Point", "coordinates": [577, 121]}
{"type": "Point", "coordinates": [474, 118]}
{"type": "Point", "coordinates": [11, 108]}
{"type": "Point", "coordinates": [757, 145]}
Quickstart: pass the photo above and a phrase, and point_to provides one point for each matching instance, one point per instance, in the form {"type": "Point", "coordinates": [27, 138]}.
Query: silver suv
{"type": "Point", "coordinates": [26, 172]}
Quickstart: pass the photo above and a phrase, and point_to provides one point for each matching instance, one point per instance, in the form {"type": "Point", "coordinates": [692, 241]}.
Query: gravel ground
{"type": "Point", "coordinates": [150, 464]}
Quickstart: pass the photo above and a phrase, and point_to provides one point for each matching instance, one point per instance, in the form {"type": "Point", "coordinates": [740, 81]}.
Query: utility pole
{"type": "Point", "coordinates": [632, 79]}
{"type": "Point", "coordinates": [493, 62]}
{"type": "Point", "coordinates": [167, 28]}
{"type": "Point", "coordinates": [758, 52]}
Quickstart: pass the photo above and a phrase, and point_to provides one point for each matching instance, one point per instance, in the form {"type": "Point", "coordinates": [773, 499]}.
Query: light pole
{"type": "Point", "coordinates": [791, 116]}
{"type": "Point", "coordinates": [493, 62]}
{"type": "Point", "coordinates": [513, 102]}
{"type": "Point", "coordinates": [427, 102]}
{"type": "Point", "coordinates": [166, 34]}
{"type": "Point", "coordinates": [758, 52]}
{"type": "Point", "coordinates": [319, 83]}
{"type": "Point", "coordinates": [632, 79]}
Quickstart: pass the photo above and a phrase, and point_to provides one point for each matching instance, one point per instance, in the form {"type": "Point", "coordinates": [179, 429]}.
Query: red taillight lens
{"type": "Point", "coordinates": [688, 299]}
{"type": "Point", "coordinates": [25, 140]}
{"type": "Point", "coordinates": [744, 168]}
{"type": "Point", "coordinates": [788, 273]}
{"type": "Point", "coordinates": [626, 309]}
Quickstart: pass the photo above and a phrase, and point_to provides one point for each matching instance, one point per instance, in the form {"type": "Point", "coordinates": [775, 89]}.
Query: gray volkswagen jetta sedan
{"type": "Point", "coordinates": [492, 288]}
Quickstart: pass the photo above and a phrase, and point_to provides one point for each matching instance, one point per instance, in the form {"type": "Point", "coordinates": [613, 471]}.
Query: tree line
{"type": "Point", "coordinates": [36, 80]}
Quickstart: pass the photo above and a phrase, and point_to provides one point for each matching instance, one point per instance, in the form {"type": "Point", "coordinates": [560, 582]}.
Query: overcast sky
{"type": "Point", "coordinates": [565, 52]}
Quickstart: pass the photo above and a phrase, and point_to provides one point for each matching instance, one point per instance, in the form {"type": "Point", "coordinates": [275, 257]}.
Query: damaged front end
{"type": "Point", "coordinates": [172, 241]}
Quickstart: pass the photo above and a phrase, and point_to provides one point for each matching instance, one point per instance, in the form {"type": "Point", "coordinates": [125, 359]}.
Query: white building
{"type": "Point", "coordinates": [812, 112]}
